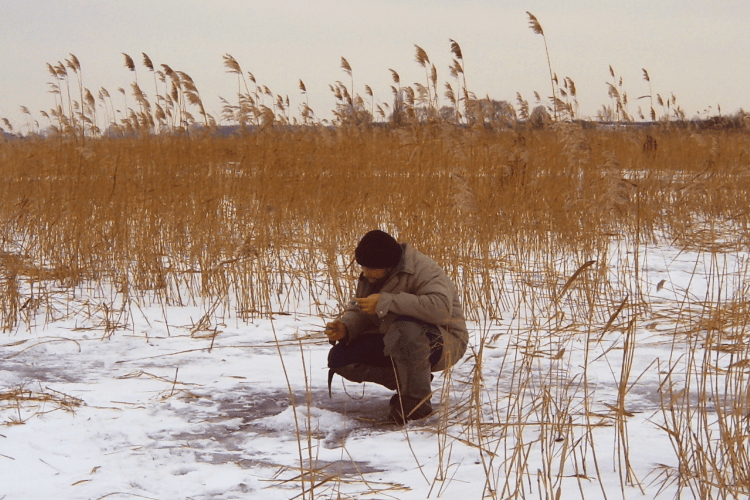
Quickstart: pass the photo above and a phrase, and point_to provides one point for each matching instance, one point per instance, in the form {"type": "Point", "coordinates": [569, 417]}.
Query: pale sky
{"type": "Point", "coordinates": [697, 50]}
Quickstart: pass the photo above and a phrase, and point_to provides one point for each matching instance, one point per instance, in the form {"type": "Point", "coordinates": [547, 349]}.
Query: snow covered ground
{"type": "Point", "coordinates": [242, 410]}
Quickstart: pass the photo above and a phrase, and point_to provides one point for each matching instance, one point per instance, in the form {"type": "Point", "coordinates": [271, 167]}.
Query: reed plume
{"type": "Point", "coordinates": [536, 27]}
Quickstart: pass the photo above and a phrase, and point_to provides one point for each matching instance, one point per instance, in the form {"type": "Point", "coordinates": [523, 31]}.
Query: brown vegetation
{"type": "Point", "coordinates": [158, 211]}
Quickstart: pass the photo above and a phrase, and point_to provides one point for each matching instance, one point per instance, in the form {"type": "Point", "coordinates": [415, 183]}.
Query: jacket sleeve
{"type": "Point", "coordinates": [429, 299]}
{"type": "Point", "coordinates": [357, 322]}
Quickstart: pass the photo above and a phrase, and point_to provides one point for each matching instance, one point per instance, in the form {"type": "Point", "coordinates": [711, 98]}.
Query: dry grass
{"type": "Point", "coordinates": [542, 228]}
{"type": "Point", "coordinates": [219, 216]}
{"type": "Point", "coordinates": [19, 404]}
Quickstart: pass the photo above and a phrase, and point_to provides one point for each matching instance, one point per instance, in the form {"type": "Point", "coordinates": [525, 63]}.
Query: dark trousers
{"type": "Point", "coordinates": [400, 360]}
{"type": "Point", "coordinates": [369, 349]}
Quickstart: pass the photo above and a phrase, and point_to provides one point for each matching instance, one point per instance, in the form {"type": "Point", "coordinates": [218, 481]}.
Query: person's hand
{"type": "Point", "coordinates": [369, 304]}
{"type": "Point", "coordinates": [335, 330]}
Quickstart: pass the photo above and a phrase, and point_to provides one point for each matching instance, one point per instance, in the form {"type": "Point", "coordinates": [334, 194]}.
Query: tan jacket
{"type": "Point", "coordinates": [417, 287]}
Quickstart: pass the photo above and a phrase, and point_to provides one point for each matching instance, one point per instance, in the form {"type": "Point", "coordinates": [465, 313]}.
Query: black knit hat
{"type": "Point", "coordinates": [378, 250]}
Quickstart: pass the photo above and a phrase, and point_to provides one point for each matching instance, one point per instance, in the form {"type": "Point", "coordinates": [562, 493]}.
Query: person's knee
{"type": "Point", "coordinates": [406, 339]}
{"type": "Point", "coordinates": [366, 350]}
{"type": "Point", "coordinates": [409, 329]}
{"type": "Point", "coordinates": [336, 359]}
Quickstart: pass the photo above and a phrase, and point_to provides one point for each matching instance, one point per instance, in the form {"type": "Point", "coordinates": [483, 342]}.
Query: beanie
{"type": "Point", "coordinates": [378, 250]}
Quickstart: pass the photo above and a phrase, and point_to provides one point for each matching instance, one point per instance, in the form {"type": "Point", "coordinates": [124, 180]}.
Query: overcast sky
{"type": "Point", "coordinates": [697, 50]}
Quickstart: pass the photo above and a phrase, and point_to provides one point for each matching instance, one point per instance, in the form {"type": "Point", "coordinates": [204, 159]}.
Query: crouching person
{"type": "Point", "coordinates": [404, 323]}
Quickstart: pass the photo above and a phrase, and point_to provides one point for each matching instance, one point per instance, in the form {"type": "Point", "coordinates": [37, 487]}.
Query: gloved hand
{"type": "Point", "coordinates": [335, 330]}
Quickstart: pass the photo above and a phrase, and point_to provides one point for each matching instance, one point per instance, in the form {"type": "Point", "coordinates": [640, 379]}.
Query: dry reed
{"type": "Point", "coordinates": [543, 229]}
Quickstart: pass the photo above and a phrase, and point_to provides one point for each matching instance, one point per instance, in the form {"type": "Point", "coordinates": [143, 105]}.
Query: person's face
{"type": "Point", "coordinates": [374, 275]}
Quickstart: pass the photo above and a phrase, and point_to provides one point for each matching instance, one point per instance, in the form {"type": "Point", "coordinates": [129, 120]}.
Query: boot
{"type": "Point", "coordinates": [403, 409]}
